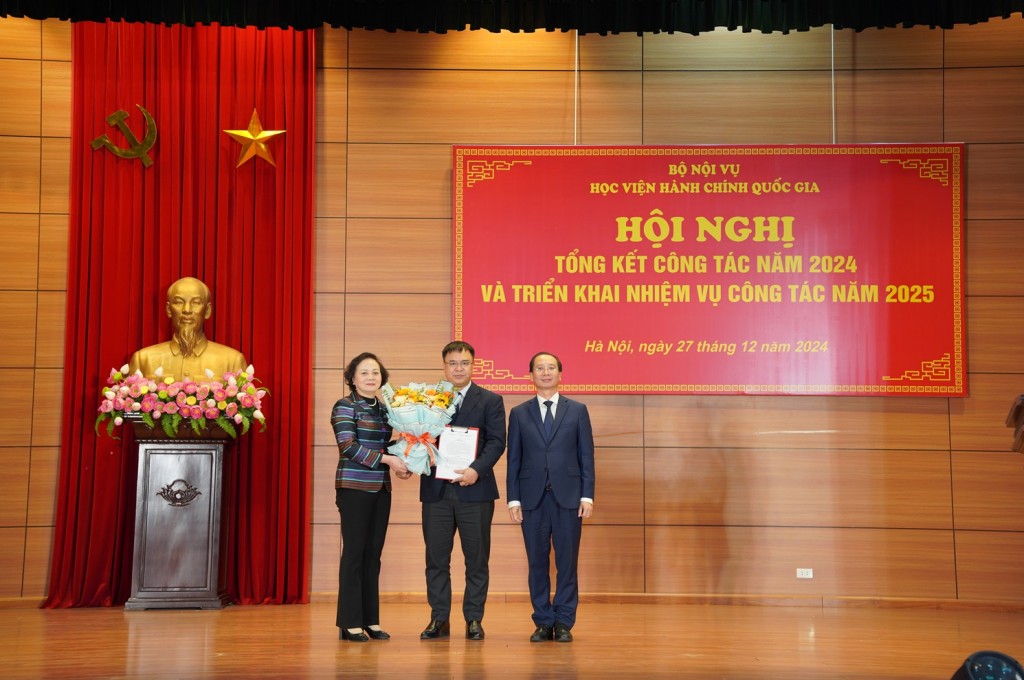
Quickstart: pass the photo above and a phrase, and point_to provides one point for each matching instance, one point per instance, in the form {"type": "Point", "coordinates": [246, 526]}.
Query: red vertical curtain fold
{"type": "Point", "coordinates": [246, 231]}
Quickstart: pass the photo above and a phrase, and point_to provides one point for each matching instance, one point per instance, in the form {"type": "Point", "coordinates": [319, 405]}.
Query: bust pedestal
{"type": "Point", "coordinates": [176, 563]}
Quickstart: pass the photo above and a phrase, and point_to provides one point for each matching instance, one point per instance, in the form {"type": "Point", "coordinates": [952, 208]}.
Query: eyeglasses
{"type": "Point", "coordinates": [459, 364]}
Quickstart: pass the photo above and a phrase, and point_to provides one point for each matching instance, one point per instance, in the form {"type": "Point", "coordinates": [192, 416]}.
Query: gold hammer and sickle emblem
{"type": "Point", "coordinates": [136, 148]}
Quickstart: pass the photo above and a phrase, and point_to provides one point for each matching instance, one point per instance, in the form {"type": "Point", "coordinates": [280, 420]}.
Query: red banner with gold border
{"type": "Point", "coordinates": [806, 269]}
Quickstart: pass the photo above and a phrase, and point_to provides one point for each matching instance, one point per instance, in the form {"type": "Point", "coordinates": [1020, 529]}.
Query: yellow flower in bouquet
{"type": "Point", "coordinates": [418, 412]}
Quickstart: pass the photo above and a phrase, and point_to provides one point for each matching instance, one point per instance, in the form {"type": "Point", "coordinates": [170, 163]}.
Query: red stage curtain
{"type": "Point", "coordinates": [246, 231]}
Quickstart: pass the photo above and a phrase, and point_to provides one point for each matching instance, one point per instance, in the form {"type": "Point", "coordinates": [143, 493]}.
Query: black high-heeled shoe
{"type": "Point", "coordinates": [343, 634]}
{"type": "Point", "coordinates": [377, 634]}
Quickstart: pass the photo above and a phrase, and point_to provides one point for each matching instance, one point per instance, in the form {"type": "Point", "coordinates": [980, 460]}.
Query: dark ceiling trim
{"type": "Point", "coordinates": [586, 16]}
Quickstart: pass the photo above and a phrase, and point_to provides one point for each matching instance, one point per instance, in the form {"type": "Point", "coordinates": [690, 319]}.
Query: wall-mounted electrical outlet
{"type": "Point", "coordinates": [804, 573]}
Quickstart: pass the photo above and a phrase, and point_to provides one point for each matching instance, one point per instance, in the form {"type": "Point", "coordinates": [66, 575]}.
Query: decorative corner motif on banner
{"type": "Point", "coordinates": [927, 168]}
{"type": "Point", "coordinates": [478, 171]}
{"type": "Point", "coordinates": [136, 149]}
{"type": "Point", "coordinates": [254, 141]}
{"type": "Point", "coordinates": [179, 493]}
{"type": "Point", "coordinates": [938, 369]}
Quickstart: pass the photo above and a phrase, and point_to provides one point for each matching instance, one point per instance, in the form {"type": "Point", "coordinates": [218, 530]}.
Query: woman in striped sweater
{"type": "Point", "coordinates": [363, 496]}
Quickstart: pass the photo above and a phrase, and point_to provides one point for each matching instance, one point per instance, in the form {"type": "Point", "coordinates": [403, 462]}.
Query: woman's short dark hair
{"type": "Point", "coordinates": [350, 370]}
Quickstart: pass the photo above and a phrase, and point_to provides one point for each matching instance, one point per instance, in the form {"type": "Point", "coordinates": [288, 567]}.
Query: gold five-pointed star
{"type": "Point", "coordinates": [254, 141]}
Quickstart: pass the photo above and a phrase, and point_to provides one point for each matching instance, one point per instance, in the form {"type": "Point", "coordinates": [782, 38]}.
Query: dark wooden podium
{"type": "Point", "coordinates": [1015, 419]}
{"type": "Point", "coordinates": [177, 519]}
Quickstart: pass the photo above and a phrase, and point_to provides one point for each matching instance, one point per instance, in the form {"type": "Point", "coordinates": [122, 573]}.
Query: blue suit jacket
{"type": "Point", "coordinates": [484, 410]}
{"type": "Point", "coordinates": [566, 460]}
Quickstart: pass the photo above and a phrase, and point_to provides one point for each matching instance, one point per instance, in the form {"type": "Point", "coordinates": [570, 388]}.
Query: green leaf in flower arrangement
{"type": "Point", "coordinates": [227, 426]}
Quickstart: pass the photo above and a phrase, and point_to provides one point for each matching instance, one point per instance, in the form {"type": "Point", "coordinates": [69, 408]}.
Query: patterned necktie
{"type": "Point", "coordinates": [547, 418]}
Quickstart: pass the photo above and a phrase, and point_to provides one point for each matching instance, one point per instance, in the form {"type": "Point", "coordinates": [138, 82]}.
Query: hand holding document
{"type": "Point", "coordinates": [456, 451]}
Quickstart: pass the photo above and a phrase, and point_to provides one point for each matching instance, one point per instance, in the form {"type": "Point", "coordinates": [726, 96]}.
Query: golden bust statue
{"type": "Point", "coordinates": [189, 353]}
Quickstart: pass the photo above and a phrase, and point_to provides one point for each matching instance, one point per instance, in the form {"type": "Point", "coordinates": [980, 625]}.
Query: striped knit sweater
{"type": "Point", "coordinates": [362, 433]}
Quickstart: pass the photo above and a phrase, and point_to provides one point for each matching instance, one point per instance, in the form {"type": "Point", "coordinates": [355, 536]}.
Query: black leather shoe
{"type": "Point", "coordinates": [562, 633]}
{"type": "Point", "coordinates": [343, 634]}
{"type": "Point", "coordinates": [377, 634]}
{"type": "Point", "coordinates": [436, 629]}
{"type": "Point", "coordinates": [474, 631]}
{"type": "Point", "coordinates": [542, 634]}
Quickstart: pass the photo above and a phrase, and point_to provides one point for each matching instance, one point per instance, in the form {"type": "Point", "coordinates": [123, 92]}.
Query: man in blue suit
{"type": "Point", "coordinates": [550, 492]}
{"type": "Point", "coordinates": [465, 504]}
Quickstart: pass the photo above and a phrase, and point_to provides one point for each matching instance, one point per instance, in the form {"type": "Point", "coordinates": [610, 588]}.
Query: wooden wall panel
{"type": "Point", "coordinates": [46, 411]}
{"type": "Point", "coordinates": [14, 485]}
{"type": "Point", "coordinates": [889, 106]}
{"type": "Point", "coordinates": [19, 38]}
{"type": "Point", "coordinates": [42, 487]}
{"type": "Point", "coordinates": [905, 48]}
{"type": "Point", "coordinates": [38, 551]}
{"type": "Point", "coordinates": [802, 488]}
{"type": "Point", "coordinates": [331, 179]}
{"type": "Point", "coordinates": [466, 107]}
{"type": "Point", "coordinates": [19, 256]}
{"type": "Point", "coordinates": [994, 174]}
{"type": "Point", "coordinates": [619, 487]}
{"type": "Point", "coordinates": [56, 99]}
{"type": "Point", "coordinates": [20, 97]}
{"type": "Point", "coordinates": [381, 324]}
{"type": "Point", "coordinates": [733, 108]}
{"type": "Point", "coordinates": [50, 323]}
{"type": "Point", "coordinates": [539, 51]}
{"type": "Point", "coordinates": [325, 465]}
{"type": "Point", "coordinates": [611, 559]}
{"type": "Point", "coordinates": [53, 252]}
{"type": "Point", "coordinates": [796, 422]}
{"type": "Point", "coordinates": [612, 52]}
{"type": "Point", "coordinates": [398, 180]}
{"type": "Point", "coordinates": [988, 490]}
{"type": "Point", "coordinates": [399, 256]}
{"type": "Point", "coordinates": [12, 559]}
{"type": "Point", "coordinates": [331, 255]}
{"type": "Point", "coordinates": [55, 191]}
{"type": "Point", "coordinates": [978, 422]}
{"type": "Point", "coordinates": [763, 560]}
{"type": "Point", "coordinates": [995, 42]}
{"type": "Point", "coordinates": [970, 116]}
{"type": "Point", "coordinates": [329, 334]}
{"type": "Point", "coordinates": [995, 326]}
{"type": "Point", "coordinates": [610, 108]}
{"type": "Point", "coordinates": [332, 105]}
{"type": "Point", "coordinates": [331, 48]}
{"type": "Point", "coordinates": [984, 568]}
{"type": "Point", "coordinates": [328, 386]}
{"type": "Point", "coordinates": [17, 333]}
{"type": "Point", "coordinates": [995, 249]}
{"type": "Point", "coordinates": [20, 163]}
{"type": "Point", "coordinates": [725, 50]}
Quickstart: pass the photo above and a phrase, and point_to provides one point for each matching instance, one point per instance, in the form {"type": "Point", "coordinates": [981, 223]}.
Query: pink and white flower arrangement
{"type": "Point", "coordinates": [231, 402]}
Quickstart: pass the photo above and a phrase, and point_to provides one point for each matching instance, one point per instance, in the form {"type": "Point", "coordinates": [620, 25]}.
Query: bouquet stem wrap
{"type": "Point", "coordinates": [418, 412]}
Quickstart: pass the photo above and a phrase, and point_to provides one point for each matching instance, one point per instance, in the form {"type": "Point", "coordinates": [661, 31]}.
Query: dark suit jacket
{"type": "Point", "coordinates": [484, 410]}
{"type": "Point", "coordinates": [566, 461]}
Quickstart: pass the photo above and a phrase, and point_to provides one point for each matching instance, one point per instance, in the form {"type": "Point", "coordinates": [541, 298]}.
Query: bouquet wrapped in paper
{"type": "Point", "coordinates": [418, 412]}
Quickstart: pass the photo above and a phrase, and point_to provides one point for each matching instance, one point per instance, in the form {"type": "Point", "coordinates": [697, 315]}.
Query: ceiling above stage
{"type": "Point", "coordinates": [586, 16]}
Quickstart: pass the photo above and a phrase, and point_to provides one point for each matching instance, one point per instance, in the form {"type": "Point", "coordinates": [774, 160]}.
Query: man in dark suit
{"type": "Point", "coordinates": [550, 492]}
{"type": "Point", "coordinates": [465, 504]}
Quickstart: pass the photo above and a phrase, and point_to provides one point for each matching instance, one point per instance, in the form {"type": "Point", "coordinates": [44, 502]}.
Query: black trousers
{"type": "Point", "coordinates": [473, 521]}
{"type": "Point", "coordinates": [364, 525]}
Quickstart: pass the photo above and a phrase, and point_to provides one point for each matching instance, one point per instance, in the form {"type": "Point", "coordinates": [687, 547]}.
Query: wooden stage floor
{"type": "Point", "coordinates": [612, 641]}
